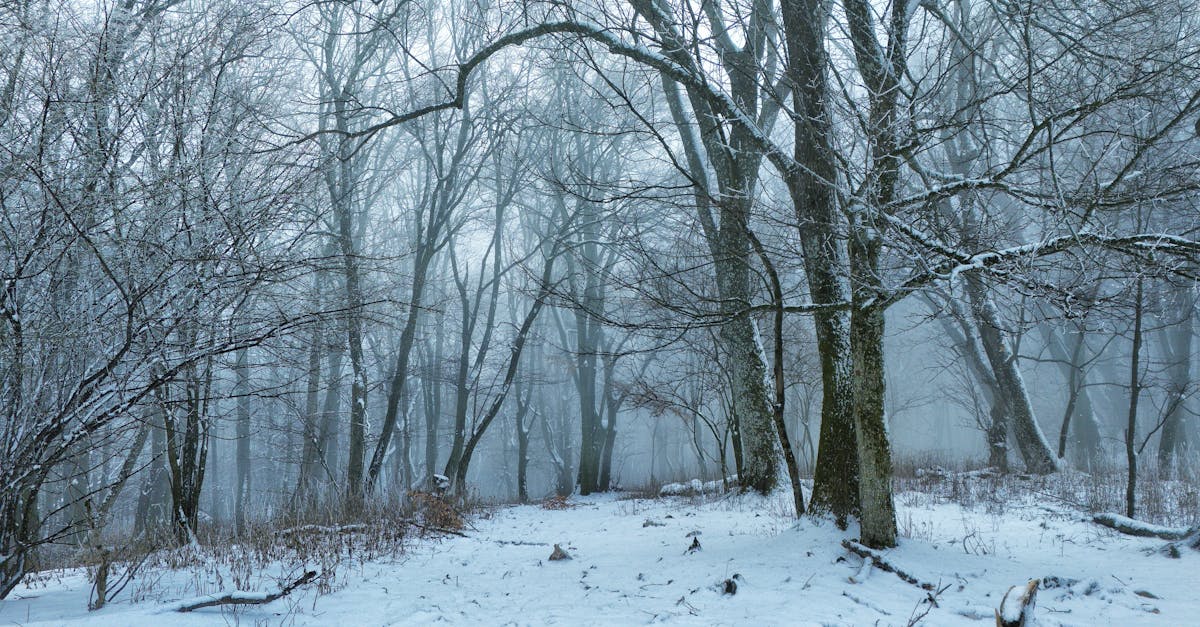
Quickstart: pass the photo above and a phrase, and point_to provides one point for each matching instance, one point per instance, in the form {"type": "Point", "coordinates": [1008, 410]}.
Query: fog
{"type": "Point", "coordinates": [268, 263]}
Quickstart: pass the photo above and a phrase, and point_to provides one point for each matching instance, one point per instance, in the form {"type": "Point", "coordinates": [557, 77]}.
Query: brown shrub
{"type": "Point", "coordinates": [435, 512]}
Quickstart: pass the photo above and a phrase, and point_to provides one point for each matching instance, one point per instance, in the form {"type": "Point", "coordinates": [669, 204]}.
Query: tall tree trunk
{"type": "Point", "coordinates": [1176, 342]}
{"type": "Point", "coordinates": [751, 402]}
{"type": "Point", "coordinates": [878, 516]}
{"type": "Point", "coordinates": [462, 393]}
{"type": "Point", "coordinates": [960, 327]}
{"type": "Point", "coordinates": [780, 403]}
{"type": "Point", "coordinates": [835, 484]}
{"type": "Point", "coordinates": [328, 439]}
{"type": "Point", "coordinates": [1079, 426]}
{"type": "Point", "coordinates": [242, 483]}
{"type": "Point", "coordinates": [1135, 392]}
{"type": "Point", "coordinates": [311, 452]}
{"type": "Point", "coordinates": [404, 352]}
{"type": "Point", "coordinates": [432, 389]}
{"type": "Point", "coordinates": [735, 160]}
{"type": "Point", "coordinates": [1035, 449]}
{"type": "Point", "coordinates": [522, 427]}
{"type": "Point", "coordinates": [606, 455]}
{"type": "Point", "coordinates": [154, 498]}
{"type": "Point", "coordinates": [591, 435]}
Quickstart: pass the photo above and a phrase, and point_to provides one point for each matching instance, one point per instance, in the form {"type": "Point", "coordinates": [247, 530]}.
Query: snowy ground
{"type": "Point", "coordinates": [631, 565]}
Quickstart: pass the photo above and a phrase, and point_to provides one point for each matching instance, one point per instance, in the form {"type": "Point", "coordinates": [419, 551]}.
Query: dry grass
{"type": "Point", "coordinates": [1171, 502]}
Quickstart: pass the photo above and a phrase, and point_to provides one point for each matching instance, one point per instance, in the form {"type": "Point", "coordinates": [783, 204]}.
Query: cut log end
{"type": "Point", "coordinates": [1017, 607]}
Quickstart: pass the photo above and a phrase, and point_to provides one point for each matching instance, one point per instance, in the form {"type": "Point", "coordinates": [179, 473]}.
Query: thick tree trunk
{"type": "Point", "coordinates": [735, 165]}
{"type": "Point", "coordinates": [1035, 449]}
{"type": "Point", "coordinates": [19, 522]}
{"type": "Point", "coordinates": [585, 376]}
{"type": "Point", "coordinates": [610, 440]}
{"type": "Point", "coordinates": [1176, 342]}
{"type": "Point", "coordinates": [751, 406]}
{"type": "Point", "coordinates": [878, 516]}
{"type": "Point", "coordinates": [835, 485]}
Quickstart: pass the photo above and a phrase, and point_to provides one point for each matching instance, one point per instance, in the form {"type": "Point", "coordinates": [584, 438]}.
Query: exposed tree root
{"type": "Point", "coordinates": [877, 560]}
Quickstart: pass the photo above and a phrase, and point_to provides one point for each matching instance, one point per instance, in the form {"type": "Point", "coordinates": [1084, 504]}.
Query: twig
{"type": "Point", "coordinates": [929, 602]}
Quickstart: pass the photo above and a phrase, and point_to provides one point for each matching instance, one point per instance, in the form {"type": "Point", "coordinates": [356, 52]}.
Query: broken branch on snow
{"type": "Point", "coordinates": [1132, 527]}
{"type": "Point", "coordinates": [240, 597]}
{"type": "Point", "coordinates": [877, 560]}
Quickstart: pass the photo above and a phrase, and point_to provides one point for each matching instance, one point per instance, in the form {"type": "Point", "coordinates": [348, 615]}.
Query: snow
{"type": "Point", "coordinates": [631, 565]}
{"type": "Point", "coordinates": [1015, 603]}
{"type": "Point", "coordinates": [691, 488]}
{"type": "Point", "coordinates": [243, 595]}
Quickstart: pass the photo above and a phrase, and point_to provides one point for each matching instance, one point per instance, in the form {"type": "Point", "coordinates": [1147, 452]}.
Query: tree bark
{"type": "Point", "coordinates": [242, 482]}
{"type": "Point", "coordinates": [1135, 392]}
{"type": "Point", "coordinates": [835, 484]}
{"type": "Point", "coordinates": [1035, 449]}
{"type": "Point", "coordinates": [1176, 342]}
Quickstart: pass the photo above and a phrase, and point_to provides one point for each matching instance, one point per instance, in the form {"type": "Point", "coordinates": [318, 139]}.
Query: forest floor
{"type": "Point", "coordinates": [632, 564]}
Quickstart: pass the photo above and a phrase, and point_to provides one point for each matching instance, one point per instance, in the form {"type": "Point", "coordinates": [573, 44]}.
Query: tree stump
{"type": "Point", "coordinates": [1016, 609]}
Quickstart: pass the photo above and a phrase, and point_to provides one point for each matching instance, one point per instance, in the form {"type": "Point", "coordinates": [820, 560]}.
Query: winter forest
{"type": "Point", "coordinates": [753, 311]}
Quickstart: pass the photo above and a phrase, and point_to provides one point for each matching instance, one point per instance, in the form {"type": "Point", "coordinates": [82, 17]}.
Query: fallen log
{"type": "Point", "coordinates": [1132, 527]}
{"type": "Point", "coordinates": [242, 597]}
{"type": "Point", "coordinates": [877, 560]}
{"type": "Point", "coordinates": [1192, 541]}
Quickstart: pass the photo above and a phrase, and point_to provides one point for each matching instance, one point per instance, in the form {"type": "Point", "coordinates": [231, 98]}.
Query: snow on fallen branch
{"type": "Point", "coordinates": [242, 597]}
{"type": "Point", "coordinates": [1132, 527]}
{"type": "Point", "coordinates": [877, 560]}
{"type": "Point", "coordinates": [692, 488]}
{"type": "Point", "coordinates": [314, 529]}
